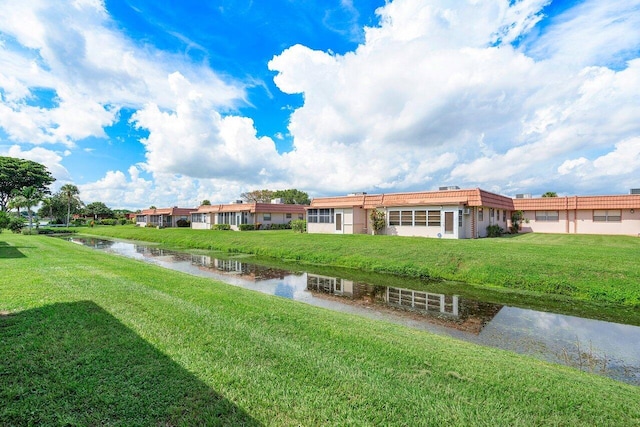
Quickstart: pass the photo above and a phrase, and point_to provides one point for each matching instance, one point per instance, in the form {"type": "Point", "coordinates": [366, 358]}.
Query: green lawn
{"type": "Point", "coordinates": [88, 338]}
{"type": "Point", "coordinates": [587, 268]}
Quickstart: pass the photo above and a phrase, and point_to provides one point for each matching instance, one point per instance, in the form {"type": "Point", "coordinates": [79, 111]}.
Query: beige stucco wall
{"type": "Point", "coordinates": [529, 224]}
{"type": "Point", "coordinates": [630, 224]}
{"type": "Point", "coordinates": [584, 224]}
{"type": "Point", "coordinates": [321, 228]}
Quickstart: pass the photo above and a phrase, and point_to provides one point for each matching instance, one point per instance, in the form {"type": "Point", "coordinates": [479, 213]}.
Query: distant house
{"type": "Point", "coordinates": [236, 214]}
{"type": "Point", "coordinates": [165, 217]}
{"type": "Point", "coordinates": [615, 214]}
{"type": "Point", "coordinates": [450, 213]}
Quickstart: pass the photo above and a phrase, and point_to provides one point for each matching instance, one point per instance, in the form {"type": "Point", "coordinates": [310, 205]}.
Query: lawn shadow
{"type": "Point", "coordinates": [75, 364]}
{"type": "Point", "coordinates": [8, 251]}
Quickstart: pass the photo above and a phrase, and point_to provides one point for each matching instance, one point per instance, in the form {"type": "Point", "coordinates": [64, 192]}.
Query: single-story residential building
{"type": "Point", "coordinates": [236, 214]}
{"type": "Point", "coordinates": [616, 214]}
{"type": "Point", "coordinates": [450, 213]}
{"type": "Point", "coordinates": [165, 217]}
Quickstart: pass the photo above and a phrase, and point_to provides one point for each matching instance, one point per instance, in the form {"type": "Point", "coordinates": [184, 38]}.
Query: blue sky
{"type": "Point", "coordinates": [168, 103]}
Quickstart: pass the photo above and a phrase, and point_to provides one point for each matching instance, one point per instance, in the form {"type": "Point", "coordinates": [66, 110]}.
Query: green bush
{"type": "Point", "coordinates": [246, 227]}
{"type": "Point", "coordinates": [183, 223]}
{"type": "Point", "coordinates": [4, 220]}
{"type": "Point", "coordinates": [16, 224]}
{"type": "Point", "coordinates": [123, 221]}
{"type": "Point", "coordinates": [286, 226]}
{"type": "Point", "coordinates": [150, 225]}
{"type": "Point", "coordinates": [79, 222]}
{"type": "Point", "coordinates": [494, 231]}
{"type": "Point", "coordinates": [299, 225]}
{"type": "Point", "coordinates": [221, 227]}
{"type": "Point", "coordinates": [108, 221]}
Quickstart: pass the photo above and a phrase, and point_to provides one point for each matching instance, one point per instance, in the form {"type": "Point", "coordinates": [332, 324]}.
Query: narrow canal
{"type": "Point", "coordinates": [605, 348]}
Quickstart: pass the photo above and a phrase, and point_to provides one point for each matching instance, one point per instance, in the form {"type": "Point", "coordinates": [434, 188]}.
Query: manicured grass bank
{"type": "Point", "coordinates": [589, 268]}
{"type": "Point", "coordinates": [88, 338]}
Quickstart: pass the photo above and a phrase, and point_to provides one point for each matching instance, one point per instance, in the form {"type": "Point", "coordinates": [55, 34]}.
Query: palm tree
{"type": "Point", "coordinates": [70, 194]}
{"type": "Point", "coordinates": [47, 203]}
{"type": "Point", "coordinates": [17, 202]}
{"type": "Point", "coordinates": [31, 197]}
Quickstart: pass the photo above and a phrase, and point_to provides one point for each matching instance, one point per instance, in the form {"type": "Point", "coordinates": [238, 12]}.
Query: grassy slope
{"type": "Point", "coordinates": [590, 268]}
{"type": "Point", "coordinates": [98, 339]}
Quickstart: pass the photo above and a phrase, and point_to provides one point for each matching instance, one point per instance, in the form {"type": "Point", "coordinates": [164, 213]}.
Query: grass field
{"type": "Point", "coordinates": [89, 338]}
{"type": "Point", "coordinates": [587, 268]}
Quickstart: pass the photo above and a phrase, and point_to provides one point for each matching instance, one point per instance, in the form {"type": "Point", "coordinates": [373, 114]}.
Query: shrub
{"type": "Point", "coordinates": [286, 226]}
{"type": "Point", "coordinates": [246, 227]}
{"type": "Point", "coordinates": [378, 221]}
{"type": "Point", "coordinates": [221, 227]}
{"type": "Point", "coordinates": [16, 224]}
{"type": "Point", "coordinates": [183, 223]}
{"type": "Point", "coordinates": [299, 225]}
{"type": "Point", "coordinates": [78, 222]}
{"type": "Point", "coordinates": [123, 221]}
{"type": "Point", "coordinates": [108, 222]}
{"type": "Point", "coordinates": [149, 225]}
{"type": "Point", "coordinates": [516, 220]}
{"type": "Point", "coordinates": [494, 231]}
{"type": "Point", "coordinates": [4, 220]}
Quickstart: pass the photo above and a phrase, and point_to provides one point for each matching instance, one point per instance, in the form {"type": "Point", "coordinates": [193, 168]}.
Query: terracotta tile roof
{"type": "Point", "coordinates": [251, 207]}
{"type": "Point", "coordinates": [629, 201]}
{"type": "Point", "coordinates": [470, 197]}
{"type": "Point", "coordinates": [167, 211]}
{"type": "Point", "coordinates": [278, 208]}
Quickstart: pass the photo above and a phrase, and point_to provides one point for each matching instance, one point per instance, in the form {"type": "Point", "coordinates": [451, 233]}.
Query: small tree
{"type": "Point", "coordinates": [31, 197]}
{"type": "Point", "coordinates": [550, 194]}
{"type": "Point", "coordinates": [205, 202]}
{"type": "Point", "coordinates": [378, 220]}
{"type": "Point", "coordinates": [299, 225]}
{"type": "Point", "coordinates": [516, 220]}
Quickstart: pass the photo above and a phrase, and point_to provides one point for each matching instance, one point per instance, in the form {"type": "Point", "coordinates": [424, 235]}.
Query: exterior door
{"type": "Point", "coordinates": [339, 222]}
{"type": "Point", "coordinates": [448, 223]}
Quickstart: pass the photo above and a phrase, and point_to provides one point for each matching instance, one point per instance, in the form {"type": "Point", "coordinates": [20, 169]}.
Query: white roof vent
{"type": "Point", "coordinates": [523, 196]}
{"type": "Point", "coordinates": [635, 191]}
{"type": "Point", "coordinates": [277, 201]}
{"type": "Point", "coordinates": [450, 187]}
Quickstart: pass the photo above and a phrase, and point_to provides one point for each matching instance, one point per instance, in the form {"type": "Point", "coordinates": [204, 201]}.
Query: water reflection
{"type": "Point", "coordinates": [605, 348]}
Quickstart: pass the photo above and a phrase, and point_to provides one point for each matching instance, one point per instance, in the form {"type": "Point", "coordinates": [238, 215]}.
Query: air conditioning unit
{"type": "Point", "coordinates": [466, 211]}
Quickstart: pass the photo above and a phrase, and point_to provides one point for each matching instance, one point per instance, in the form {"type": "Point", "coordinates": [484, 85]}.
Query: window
{"type": "Point", "coordinates": [197, 217]}
{"type": "Point", "coordinates": [491, 213]}
{"type": "Point", "coordinates": [406, 218]}
{"type": "Point", "coordinates": [227, 218]}
{"type": "Point", "coordinates": [460, 218]}
{"type": "Point", "coordinates": [480, 215]}
{"type": "Point", "coordinates": [300, 216]}
{"type": "Point", "coordinates": [433, 218]}
{"type": "Point", "coordinates": [420, 218]}
{"type": "Point", "coordinates": [394, 217]}
{"type": "Point", "coordinates": [611, 215]}
{"type": "Point", "coordinates": [288, 216]}
{"type": "Point", "coordinates": [325, 216]}
{"type": "Point", "coordinates": [312, 215]}
{"type": "Point", "coordinates": [547, 216]}
{"type": "Point", "coordinates": [504, 216]}
{"type": "Point", "coordinates": [266, 217]}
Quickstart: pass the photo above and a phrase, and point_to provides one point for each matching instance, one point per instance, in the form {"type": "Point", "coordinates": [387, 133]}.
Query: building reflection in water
{"type": "Point", "coordinates": [450, 310]}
